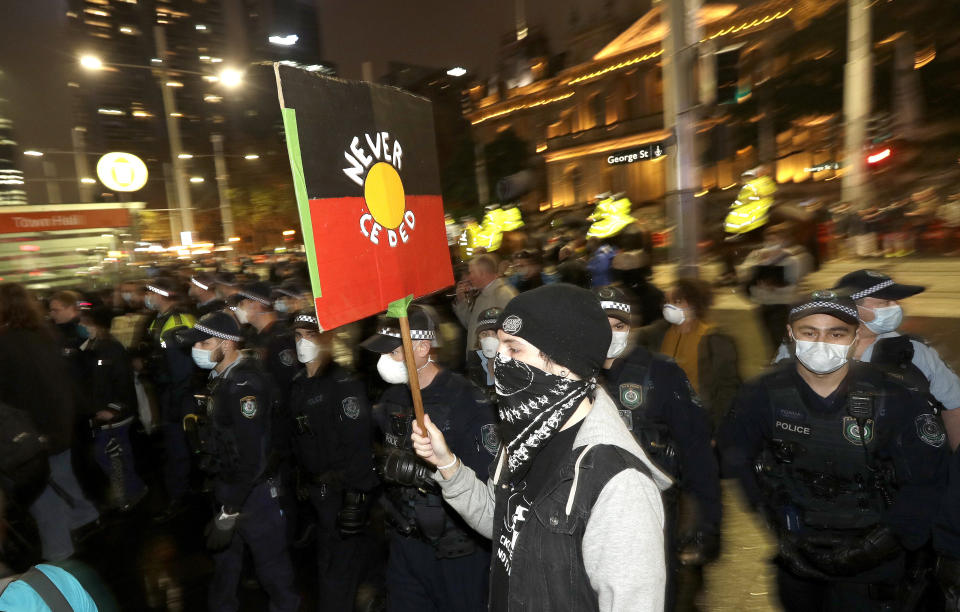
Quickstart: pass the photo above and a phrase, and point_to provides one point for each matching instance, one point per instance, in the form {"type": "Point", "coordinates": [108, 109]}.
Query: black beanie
{"type": "Point", "coordinates": [565, 322]}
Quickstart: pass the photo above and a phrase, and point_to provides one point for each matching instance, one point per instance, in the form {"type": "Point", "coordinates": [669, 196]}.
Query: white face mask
{"type": "Point", "coordinates": [674, 314]}
{"type": "Point", "coordinates": [127, 296]}
{"type": "Point", "coordinates": [885, 319]}
{"type": "Point", "coordinates": [391, 370]}
{"type": "Point", "coordinates": [489, 346]}
{"type": "Point", "coordinates": [307, 351]}
{"type": "Point", "coordinates": [822, 357]}
{"type": "Point", "coordinates": [242, 316]}
{"type": "Point", "coordinates": [618, 344]}
{"type": "Point", "coordinates": [201, 357]}
{"type": "Point", "coordinates": [150, 303]}
{"type": "Point", "coordinates": [281, 306]}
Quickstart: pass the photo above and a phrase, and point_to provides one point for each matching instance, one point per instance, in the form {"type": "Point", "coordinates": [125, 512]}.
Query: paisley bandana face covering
{"type": "Point", "coordinates": [534, 405]}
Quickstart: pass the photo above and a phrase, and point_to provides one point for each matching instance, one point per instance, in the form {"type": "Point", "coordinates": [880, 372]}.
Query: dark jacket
{"type": "Point", "coordinates": [717, 364]}
{"type": "Point", "coordinates": [108, 378]}
{"type": "Point", "coordinates": [35, 378]}
{"type": "Point", "coordinates": [333, 431]}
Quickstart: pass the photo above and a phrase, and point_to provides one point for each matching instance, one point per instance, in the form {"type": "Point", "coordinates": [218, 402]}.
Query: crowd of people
{"type": "Point", "coordinates": [578, 422]}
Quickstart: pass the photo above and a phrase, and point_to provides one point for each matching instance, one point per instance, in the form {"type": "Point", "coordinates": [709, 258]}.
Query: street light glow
{"type": "Point", "coordinates": [231, 77]}
{"type": "Point", "coordinates": [289, 232]}
{"type": "Point", "coordinates": [173, 84]}
{"type": "Point", "coordinates": [284, 40]}
{"type": "Point", "coordinates": [251, 156]}
{"type": "Point", "coordinates": [91, 62]}
{"type": "Point", "coordinates": [89, 181]}
{"type": "Point", "coordinates": [234, 239]}
{"type": "Point", "coordinates": [185, 156]}
{"type": "Point", "coordinates": [457, 71]}
{"type": "Point", "coordinates": [200, 27]}
{"type": "Point", "coordinates": [33, 153]}
{"type": "Point", "coordinates": [196, 179]}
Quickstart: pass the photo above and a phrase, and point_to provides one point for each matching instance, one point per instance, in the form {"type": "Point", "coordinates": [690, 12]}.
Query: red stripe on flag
{"type": "Point", "coordinates": [360, 278]}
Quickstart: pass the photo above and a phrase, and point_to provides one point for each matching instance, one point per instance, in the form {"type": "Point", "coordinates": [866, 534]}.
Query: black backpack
{"type": "Point", "coordinates": [23, 455]}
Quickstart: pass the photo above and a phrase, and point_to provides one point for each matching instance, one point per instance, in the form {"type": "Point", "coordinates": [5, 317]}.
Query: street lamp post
{"type": "Point", "coordinates": [220, 164]}
{"type": "Point", "coordinates": [173, 133]}
{"type": "Point", "coordinates": [228, 78]}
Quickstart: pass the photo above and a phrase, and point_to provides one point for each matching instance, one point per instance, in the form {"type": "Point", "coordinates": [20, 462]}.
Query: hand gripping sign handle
{"type": "Point", "coordinates": [398, 309]}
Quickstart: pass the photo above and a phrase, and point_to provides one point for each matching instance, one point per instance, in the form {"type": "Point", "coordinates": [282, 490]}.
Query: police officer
{"type": "Point", "coordinates": [480, 361]}
{"type": "Point", "coordinates": [170, 370]}
{"type": "Point", "coordinates": [333, 446]}
{"type": "Point", "coordinates": [203, 290]}
{"type": "Point", "coordinates": [270, 337]}
{"type": "Point", "coordinates": [846, 462]}
{"type": "Point", "coordinates": [436, 562]}
{"type": "Point", "coordinates": [878, 300]}
{"type": "Point", "coordinates": [289, 297]}
{"type": "Point", "coordinates": [658, 404]}
{"type": "Point", "coordinates": [232, 438]}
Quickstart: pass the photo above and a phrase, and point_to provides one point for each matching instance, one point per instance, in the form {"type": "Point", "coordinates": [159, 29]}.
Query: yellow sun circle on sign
{"type": "Point", "coordinates": [383, 192]}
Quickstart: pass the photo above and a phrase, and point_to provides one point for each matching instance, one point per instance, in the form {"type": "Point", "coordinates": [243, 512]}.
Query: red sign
{"type": "Point", "coordinates": [77, 219]}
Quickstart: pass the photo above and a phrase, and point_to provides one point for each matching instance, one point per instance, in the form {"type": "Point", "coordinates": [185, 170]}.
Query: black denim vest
{"type": "Point", "coordinates": [548, 573]}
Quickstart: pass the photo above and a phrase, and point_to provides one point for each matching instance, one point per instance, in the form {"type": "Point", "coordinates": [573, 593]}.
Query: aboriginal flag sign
{"type": "Point", "coordinates": [365, 175]}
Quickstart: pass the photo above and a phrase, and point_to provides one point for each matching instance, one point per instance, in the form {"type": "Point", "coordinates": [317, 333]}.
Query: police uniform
{"type": "Point", "coordinates": [171, 370]}
{"type": "Point", "coordinates": [658, 404]}
{"type": "Point", "coordinates": [436, 561]}
{"type": "Point", "coordinates": [333, 446]}
{"type": "Point", "coordinates": [232, 439]}
{"type": "Point", "coordinates": [275, 342]}
{"type": "Point", "coordinates": [850, 481]}
{"type": "Point", "coordinates": [904, 356]}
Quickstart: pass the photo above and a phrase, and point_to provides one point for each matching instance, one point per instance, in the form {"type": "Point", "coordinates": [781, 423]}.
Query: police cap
{"type": "Point", "coordinates": [614, 303]}
{"type": "Point", "coordinates": [214, 325]}
{"type": "Point", "coordinates": [828, 302]}
{"type": "Point", "coordinates": [489, 319]}
{"type": "Point", "coordinates": [388, 338]}
{"type": "Point", "coordinates": [258, 291]}
{"type": "Point", "coordinates": [305, 319]}
{"type": "Point", "coordinates": [869, 283]}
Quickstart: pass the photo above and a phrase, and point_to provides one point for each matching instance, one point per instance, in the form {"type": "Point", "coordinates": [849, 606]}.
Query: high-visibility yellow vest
{"type": "Point", "coordinates": [752, 206]}
{"type": "Point", "coordinates": [610, 217]}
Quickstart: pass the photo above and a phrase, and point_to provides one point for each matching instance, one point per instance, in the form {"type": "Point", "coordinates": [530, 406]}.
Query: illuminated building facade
{"type": "Point", "coordinates": [597, 126]}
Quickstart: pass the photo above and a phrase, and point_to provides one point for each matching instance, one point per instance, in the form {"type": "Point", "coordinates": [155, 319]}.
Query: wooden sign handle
{"type": "Point", "coordinates": [412, 371]}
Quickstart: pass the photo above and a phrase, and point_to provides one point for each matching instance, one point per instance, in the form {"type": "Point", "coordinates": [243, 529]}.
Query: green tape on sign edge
{"type": "Point", "coordinates": [303, 202]}
{"type": "Point", "coordinates": [398, 308]}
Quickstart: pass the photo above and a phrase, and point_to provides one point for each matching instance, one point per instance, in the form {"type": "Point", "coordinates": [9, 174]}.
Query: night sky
{"type": "Point", "coordinates": [440, 33]}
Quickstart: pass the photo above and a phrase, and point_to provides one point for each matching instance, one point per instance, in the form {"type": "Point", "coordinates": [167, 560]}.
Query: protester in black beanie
{"type": "Point", "coordinates": [565, 457]}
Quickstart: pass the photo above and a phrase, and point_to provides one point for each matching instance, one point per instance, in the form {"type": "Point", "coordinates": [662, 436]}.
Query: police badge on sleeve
{"type": "Point", "coordinates": [929, 430]}
{"type": "Point", "coordinates": [351, 408]}
{"type": "Point", "coordinates": [248, 406]}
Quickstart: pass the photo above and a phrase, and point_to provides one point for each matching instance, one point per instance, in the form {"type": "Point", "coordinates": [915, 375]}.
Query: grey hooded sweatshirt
{"type": "Point", "coordinates": [623, 546]}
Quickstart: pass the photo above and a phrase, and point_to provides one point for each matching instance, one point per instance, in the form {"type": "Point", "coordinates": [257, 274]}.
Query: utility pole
{"type": "Point", "coordinates": [858, 74]}
{"type": "Point", "coordinates": [679, 118]}
{"type": "Point", "coordinates": [173, 134]}
{"type": "Point", "coordinates": [220, 164]}
{"type": "Point", "coordinates": [171, 204]}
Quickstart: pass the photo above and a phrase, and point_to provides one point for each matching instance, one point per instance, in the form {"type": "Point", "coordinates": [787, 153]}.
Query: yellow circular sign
{"type": "Point", "coordinates": [122, 171]}
{"type": "Point", "coordinates": [383, 192]}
